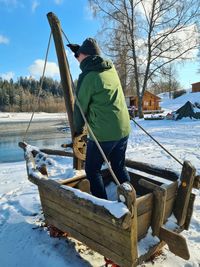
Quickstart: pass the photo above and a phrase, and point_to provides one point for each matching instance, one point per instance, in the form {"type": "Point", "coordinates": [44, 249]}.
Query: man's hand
{"type": "Point", "coordinates": [74, 47]}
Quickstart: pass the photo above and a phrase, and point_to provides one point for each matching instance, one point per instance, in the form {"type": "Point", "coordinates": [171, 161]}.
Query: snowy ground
{"type": "Point", "coordinates": [20, 117]}
{"type": "Point", "coordinates": [24, 243]}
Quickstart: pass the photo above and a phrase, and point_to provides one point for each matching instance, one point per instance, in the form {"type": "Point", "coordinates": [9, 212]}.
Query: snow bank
{"type": "Point", "coordinates": [26, 116]}
{"type": "Point", "coordinates": [174, 104]}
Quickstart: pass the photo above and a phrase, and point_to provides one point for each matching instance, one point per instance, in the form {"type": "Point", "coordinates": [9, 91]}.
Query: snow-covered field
{"type": "Point", "coordinates": [24, 243]}
{"type": "Point", "coordinates": [20, 117]}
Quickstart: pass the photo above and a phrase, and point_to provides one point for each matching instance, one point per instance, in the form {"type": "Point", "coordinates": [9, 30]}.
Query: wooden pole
{"type": "Point", "coordinates": [126, 193]}
{"type": "Point", "coordinates": [64, 75]}
{"type": "Point", "coordinates": [184, 192]}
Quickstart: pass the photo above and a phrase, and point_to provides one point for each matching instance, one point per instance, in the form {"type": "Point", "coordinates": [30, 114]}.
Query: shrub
{"type": "Point", "coordinates": [178, 93]}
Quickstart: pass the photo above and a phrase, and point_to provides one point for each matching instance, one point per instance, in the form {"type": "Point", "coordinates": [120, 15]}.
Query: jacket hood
{"type": "Point", "coordinates": [95, 63]}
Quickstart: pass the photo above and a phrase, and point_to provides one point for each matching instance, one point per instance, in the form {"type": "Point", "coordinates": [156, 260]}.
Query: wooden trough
{"type": "Point", "coordinates": [148, 206]}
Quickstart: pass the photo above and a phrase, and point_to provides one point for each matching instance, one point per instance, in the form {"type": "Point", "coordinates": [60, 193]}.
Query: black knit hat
{"type": "Point", "coordinates": [89, 47]}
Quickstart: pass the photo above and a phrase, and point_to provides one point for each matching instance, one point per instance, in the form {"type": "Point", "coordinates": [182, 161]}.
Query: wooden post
{"type": "Point", "coordinates": [176, 243]}
{"type": "Point", "coordinates": [189, 211]}
{"type": "Point", "coordinates": [127, 194]}
{"type": "Point", "coordinates": [64, 75]}
{"type": "Point", "coordinates": [184, 191]}
{"type": "Point", "coordinates": [160, 196]}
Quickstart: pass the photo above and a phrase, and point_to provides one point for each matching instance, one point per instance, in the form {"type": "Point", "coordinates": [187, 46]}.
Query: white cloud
{"type": "Point", "coordinates": [7, 76]}
{"type": "Point", "coordinates": [185, 39]}
{"type": "Point", "coordinates": [11, 3]}
{"type": "Point", "coordinates": [35, 4]}
{"type": "Point", "coordinates": [58, 2]}
{"type": "Point", "coordinates": [88, 13]}
{"type": "Point", "coordinates": [36, 69]}
{"type": "Point", "coordinates": [4, 39]}
{"type": "Point", "coordinates": [145, 7]}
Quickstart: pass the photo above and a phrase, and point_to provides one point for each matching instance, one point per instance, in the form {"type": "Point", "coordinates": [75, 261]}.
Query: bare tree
{"type": "Point", "coordinates": [167, 81]}
{"type": "Point", "coordinates": [153, 32]}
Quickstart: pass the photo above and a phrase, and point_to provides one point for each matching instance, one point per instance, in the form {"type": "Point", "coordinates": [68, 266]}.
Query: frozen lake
{"type": "Point", "coordinates": [42, 138]}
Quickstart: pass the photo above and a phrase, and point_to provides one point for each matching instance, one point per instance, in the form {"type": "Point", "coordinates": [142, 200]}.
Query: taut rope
{"type": "Point", "coordinates": [157, 142]}
{"type": "Point", "coordinates": [40, 89]}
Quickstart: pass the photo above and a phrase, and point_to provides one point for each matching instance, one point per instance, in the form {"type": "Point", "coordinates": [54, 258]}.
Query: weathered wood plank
{"type": "Point", "coordinates": [83, 185]}
{"type": "Point", "coordinates": [57, 152]}
{"type": "Point", "coordinates": [66, 197]}
{"type": "Point", "coordinates": [176, 243]}
{"type": "Point", "coordinates": [135, 178]}
{"type": "Point", "coordinates": [104, 238]}
{"type": "Point", "coordinates": [189, 211]}
{"type": "Point", "coordinates": [171, 189]}
{"type": "Point", "coordinates": [148, 185]}
{"type": "Point", "coordinates": [169, 208]}
{"type": "Point", "coordinates": [134, 235]}
{"type": "Point", "coordinates": [143, 222]}
{"type": "Point", "coordinates": [95, 226]}
{"type": "Point", "coordinates": [158, 211]}
{"type": "Point", "coordinates": [160, 195]}
{"type": "Point", "coordinates": [151, 169]}
{"type": "Point", "coordinates": [184, 191]}
{"type": "Point", "coordinates": [144, 204]}
{"type": "Point", "coordinates": [127, 194]}
{"type": "Point", "coordinates": [144, 218]}
{"type": "Point", "coordinates": [72, 179]}
{"type": "Point", "coordinates": [90, 243]}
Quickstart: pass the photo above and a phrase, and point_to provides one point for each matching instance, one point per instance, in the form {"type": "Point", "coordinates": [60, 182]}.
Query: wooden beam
{"type": "Point", "coordinates": [160, 197]}
{"type": "Point", "coordinates": [151, 169]}
{"type": "Point", "coordinates": [65, 75]}
{"type": "Point", "coordinates": [184, 191]}
{"type": "Point", "coordinates": [127, 194]}
{"type": "Point", "coordinates": [189, 211]}
{"type": "Point", "coordinates": [57, 152]}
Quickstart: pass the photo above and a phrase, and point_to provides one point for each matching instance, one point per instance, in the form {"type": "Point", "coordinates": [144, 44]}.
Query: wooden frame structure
{"type": "Point", "coordinates": [150, 203]}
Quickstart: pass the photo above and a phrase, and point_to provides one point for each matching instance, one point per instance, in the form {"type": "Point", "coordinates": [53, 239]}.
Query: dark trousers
{"type": "Point", "coordinates": [115, 153]}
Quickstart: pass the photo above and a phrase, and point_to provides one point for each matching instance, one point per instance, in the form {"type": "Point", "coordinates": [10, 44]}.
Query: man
{"type": "Point", "coordinates": [102, 101]}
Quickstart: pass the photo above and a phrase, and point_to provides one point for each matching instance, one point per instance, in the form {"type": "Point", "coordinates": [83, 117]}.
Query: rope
{"type": "Point", "coordinates": [157, 142]}
{"type": "Point", "coordinates": [40, 89]}
{"type": "Point", "coordinates": [65, 36]}
{"type": "Point", "coordinates": [90, 130]}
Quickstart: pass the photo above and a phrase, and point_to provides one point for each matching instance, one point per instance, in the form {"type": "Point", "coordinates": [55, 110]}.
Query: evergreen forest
{"type": "Point", "coordinates": [22, 95]}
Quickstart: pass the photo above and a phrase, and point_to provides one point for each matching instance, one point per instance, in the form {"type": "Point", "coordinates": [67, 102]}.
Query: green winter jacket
{"type": "Point", "coordinates": [101, 97]}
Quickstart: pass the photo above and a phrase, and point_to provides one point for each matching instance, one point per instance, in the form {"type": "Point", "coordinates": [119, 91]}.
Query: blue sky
{"type": "Point", "coordinates": [24, 33]}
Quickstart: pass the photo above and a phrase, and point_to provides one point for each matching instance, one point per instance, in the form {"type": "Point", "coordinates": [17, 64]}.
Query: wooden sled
{"type": "Point", "coordinates": [148, 208]}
